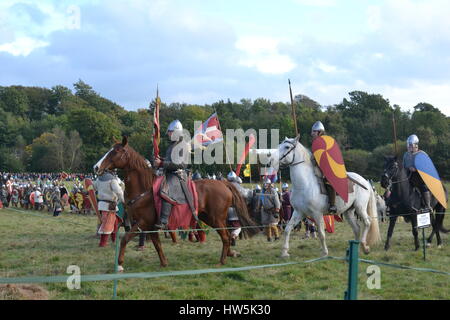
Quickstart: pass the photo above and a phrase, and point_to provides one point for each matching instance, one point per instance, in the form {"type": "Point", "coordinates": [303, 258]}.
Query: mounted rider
{"type": "Point", "coordinates": [232, 218]}
{"type": "Point", "coordinates": [175, 189]}
{"type": "Point", "coordinates": [318, 130]}
{"type": "Point", "coordinates": [415, 179]}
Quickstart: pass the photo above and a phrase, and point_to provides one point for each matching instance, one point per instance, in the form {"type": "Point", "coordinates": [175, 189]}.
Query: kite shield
{"type": "Point", "coordinates": [329, 158]}
{"type": "Point", "coordinates": [430, 176]}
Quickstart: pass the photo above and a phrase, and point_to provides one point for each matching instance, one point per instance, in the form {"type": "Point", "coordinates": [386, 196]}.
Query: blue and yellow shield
{"type": "Point", "coordinates": [430, 176]}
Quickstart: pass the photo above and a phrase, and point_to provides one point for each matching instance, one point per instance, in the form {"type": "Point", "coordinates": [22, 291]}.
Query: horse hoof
{"type": "Point", "coordinates": [236, 254]}
{"type": "Point", "coordinates": [285, 254]}
{"type": "Point", "coordinates": [366, 250]}
{"type": "Point", "coordinates": [439, 246]}
{"type": "Point", "coordinates": [120, 269]}
{"type": "Point", "coordinates": [429, 245]}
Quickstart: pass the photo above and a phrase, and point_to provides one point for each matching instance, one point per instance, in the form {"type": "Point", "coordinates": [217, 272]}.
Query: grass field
{"type": "Point", "coordinates": [37, 244]}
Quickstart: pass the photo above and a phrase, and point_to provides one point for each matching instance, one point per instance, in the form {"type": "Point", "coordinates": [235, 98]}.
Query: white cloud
{"type": "Point", "coordinates": [263, 54]}
{"type": "Point", "coordinates": [316, 3]}
{"type": "Point", "coordinates": [22, 46]}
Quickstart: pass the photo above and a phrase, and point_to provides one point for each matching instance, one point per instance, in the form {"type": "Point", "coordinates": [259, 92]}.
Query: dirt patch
{"type": "Point", "coordinates": [22, 292]}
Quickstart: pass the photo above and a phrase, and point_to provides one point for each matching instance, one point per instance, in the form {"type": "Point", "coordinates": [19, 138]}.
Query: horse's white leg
{"type": "Point", "coordinates": [351, 219]}
{"type": "Point", "coordinates": [295, 219]}
{"type": "Point", "coordinates": [365, 229]}
{"type": "Point", "coordinates": [321, 231]}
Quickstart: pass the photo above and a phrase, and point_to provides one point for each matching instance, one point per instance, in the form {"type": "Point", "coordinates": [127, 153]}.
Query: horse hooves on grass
{"type": "Point", "coordinates": [440, 246]}
{"type": "Point", "coordinates": [120, 269]}
{"type": "Point", "coordinates": [428, 245]}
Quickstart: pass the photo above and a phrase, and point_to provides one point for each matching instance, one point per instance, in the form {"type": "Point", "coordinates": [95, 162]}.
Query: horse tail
{"type": "Point", "coordinates": [249, 226]}
{"type": "Point", "coordinates": [373, 236]}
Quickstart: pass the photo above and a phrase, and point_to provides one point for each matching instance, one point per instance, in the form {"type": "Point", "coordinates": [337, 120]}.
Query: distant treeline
{"type": "Point", "coordinates": [57, 129]}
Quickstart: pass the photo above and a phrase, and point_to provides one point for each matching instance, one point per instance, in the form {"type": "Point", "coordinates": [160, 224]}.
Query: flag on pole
{"type": "Point", "coordinates": [208, 133]}
{"type": "Point", "coordinates": [247, 170]}
{"type": "Point", "coordinates": [156, 133]}
{"type": "Point", "coordinates": [251, 141]}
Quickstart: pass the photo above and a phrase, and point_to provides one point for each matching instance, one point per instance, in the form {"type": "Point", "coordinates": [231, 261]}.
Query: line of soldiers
{"type": "Point", "coordinates": [51, 196]}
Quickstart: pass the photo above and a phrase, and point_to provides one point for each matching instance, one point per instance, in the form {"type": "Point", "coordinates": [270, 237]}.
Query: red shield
{"type": "Point", "coordinates": [89, 186]}
{"type": "Point", "coordinates": [329, 158]}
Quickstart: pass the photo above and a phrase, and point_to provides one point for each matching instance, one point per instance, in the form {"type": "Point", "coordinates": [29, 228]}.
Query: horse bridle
{"type": "Point", "coordinates": [294, 145]}
{"type": "Point", "coordinates": [396, 167]}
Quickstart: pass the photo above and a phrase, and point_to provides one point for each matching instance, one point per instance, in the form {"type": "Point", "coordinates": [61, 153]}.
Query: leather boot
{"type": "Point", "coordinates": [427, 199]}
{"type": "Point", "coordinates": [331, 198]}
{"type": "Point", "coordinates": [165, 214]}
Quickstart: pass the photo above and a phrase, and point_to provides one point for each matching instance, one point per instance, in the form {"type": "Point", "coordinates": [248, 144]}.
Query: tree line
{"type": "Point", "coordinates": [63, 129]}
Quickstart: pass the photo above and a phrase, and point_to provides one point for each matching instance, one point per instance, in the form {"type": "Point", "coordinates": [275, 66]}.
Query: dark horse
{"type": "Point", "coordinates": [406, 201]}
{"type": "Point", "coordinates": [214, 199]}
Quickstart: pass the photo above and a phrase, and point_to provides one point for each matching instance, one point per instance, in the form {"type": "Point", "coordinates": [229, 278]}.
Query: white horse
{"type": "Point", "coordinates": [308, 201]}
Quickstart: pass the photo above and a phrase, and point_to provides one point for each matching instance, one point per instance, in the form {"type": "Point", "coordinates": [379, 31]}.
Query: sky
{"type": "Point", "coordinates": [201, 52]}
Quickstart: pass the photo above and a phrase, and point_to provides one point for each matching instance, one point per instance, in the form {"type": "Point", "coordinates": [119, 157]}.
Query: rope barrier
{"type": "Point", "coordinates": [146, 275]}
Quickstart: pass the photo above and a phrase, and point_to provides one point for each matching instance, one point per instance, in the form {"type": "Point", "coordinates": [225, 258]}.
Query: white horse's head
{"type": "Point", "coordinates": [289, 152]}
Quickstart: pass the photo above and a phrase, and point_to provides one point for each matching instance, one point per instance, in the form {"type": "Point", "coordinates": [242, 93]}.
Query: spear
{"type": "Point", "coordinates": [293, 109]}
{"type": "Point", "coordinates": [394, 129]}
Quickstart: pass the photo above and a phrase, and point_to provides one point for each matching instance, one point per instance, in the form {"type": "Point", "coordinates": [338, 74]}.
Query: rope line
{"type": "Point", "coordinates": [145, 275]}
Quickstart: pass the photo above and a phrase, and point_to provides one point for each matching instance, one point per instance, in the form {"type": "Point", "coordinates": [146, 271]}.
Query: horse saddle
{"type": "Point", "coordinates": [323, 190]}
{"type": "Point", "coordinates": [183, 215]}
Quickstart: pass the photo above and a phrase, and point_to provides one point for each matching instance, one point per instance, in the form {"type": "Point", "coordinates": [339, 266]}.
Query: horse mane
{"type": "Point", "coordinates": [137, 162]}
{"type": "Point", "coordinates": [303, 149]}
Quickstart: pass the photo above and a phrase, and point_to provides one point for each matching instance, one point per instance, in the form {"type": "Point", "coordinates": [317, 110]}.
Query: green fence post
{"type": "Point", "coordinates": [352, 258]}
{"type": "Point", "coordinates": [116, 264]}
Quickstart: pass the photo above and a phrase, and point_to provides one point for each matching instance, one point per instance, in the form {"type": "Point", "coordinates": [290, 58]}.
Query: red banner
{"type": "Point", "coordinates": [251, 141]}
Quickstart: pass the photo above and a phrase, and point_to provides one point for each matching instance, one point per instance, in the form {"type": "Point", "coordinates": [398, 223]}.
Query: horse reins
{"type": "Point", "coordinates": [294, 145]}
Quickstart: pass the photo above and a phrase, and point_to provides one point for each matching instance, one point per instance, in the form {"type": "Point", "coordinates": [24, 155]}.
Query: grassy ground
{"type": "Point", "coordinates": [37, 244]}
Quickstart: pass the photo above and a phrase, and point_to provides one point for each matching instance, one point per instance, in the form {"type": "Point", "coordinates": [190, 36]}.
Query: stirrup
{"type": "Point", "coordinates": [332, 209]}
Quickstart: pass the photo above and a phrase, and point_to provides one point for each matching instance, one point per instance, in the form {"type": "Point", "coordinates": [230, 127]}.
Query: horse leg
{"type": "Point", "coordinates": [123, 244]}
{"type": "Point", "coordinates": [392, 221]}
{"type": "Point", "coordinates": [351, 219]}
{"type": "Point", "coordinates": [157, 244]}
{"type": "Point", "coordinates": [295, 219]}
{"type": "Point", "coordinates": [321, 231]}
{"type": "Point", "coordinates": [362, 214]}
{"type": "Point", "coordinates": [433, 230]}
{"type": "Point", "coordinates": [415, 232]}
{"type": "Point", "coordinates": [173, 235]}
{"type": "Point", "coordinates": [226, 243]}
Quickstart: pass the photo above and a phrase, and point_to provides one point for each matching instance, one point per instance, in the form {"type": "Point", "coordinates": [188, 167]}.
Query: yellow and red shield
{"type": "Point", "coordinates": [329, 158]}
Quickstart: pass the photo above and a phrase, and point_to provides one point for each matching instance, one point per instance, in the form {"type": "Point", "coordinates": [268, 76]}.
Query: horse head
{"type": "Point", "coordinates": [391, 170]}
{"type": "Point", "coordinates": [116, 158]}
{"type": "Point", "coordinates": [287, 154]}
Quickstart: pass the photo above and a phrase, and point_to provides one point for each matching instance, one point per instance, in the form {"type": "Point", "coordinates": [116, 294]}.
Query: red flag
{"type": "Point", "coordinates": [251, 141]}
{"type": "Point", "coordinates": [208, 133]}
{"type": "Point", "coordinates": [156, 133]}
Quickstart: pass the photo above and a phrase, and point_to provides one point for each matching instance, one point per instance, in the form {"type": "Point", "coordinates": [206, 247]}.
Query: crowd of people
{"type": "Point", "coordinates": [45, 192]}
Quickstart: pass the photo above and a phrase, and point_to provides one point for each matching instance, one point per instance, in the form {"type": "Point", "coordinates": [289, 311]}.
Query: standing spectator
{"type": "Point", "coordinates": [38, 199]}
{"type": "Point", "coordinates": [56, 202]}
{"type": "Point", "coordinates": [270, 208]}
{"type": "Point", "coordinates": [109, 194]}
{"type": "Point", "coordinates": [286, 203]}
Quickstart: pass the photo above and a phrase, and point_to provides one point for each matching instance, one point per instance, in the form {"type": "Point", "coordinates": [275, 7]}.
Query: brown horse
{"type": "Point", "coordinates": [214, 199]}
